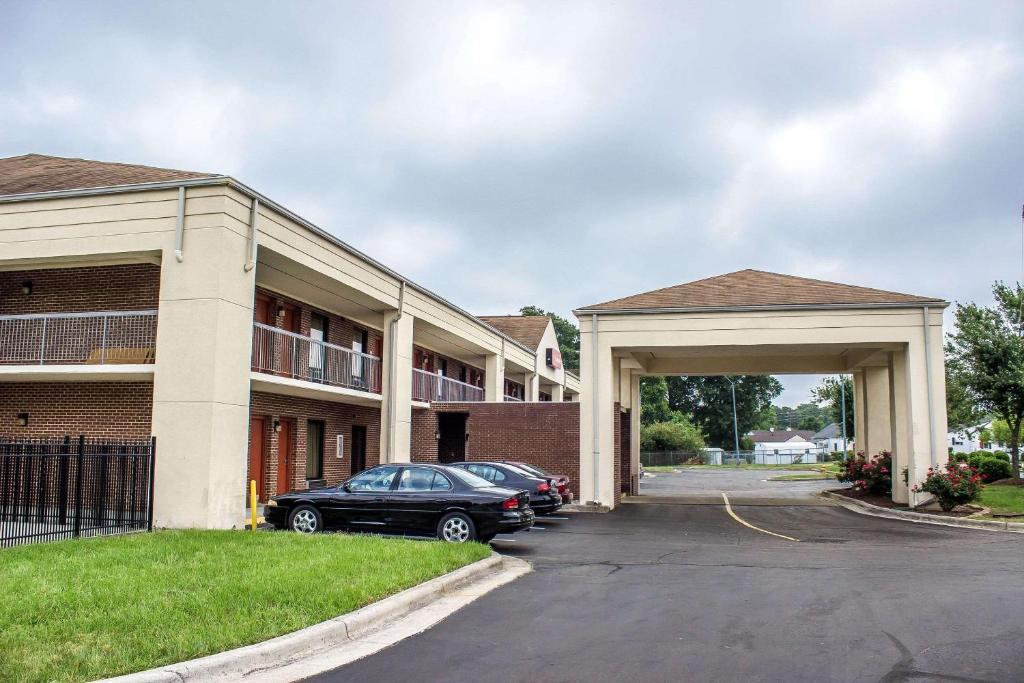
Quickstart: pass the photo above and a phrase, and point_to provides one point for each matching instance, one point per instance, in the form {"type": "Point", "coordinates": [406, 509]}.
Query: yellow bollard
{"type": "Point", "coordinates": [252, 501]}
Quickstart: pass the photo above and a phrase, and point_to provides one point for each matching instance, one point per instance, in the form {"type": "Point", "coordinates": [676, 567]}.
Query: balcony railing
{"type": "Point", "coordinates": [94, 338]}
{"type": "Point", "coordinates": [513, 398]}
{"type": "Point", "coordinates": [286, 354]}
{"type": "Point", "coordinates": [428, 386]}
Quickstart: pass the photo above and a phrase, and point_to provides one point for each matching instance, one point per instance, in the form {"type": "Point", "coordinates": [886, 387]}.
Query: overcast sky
{"type": "Point", "coordinates": [562, 154]}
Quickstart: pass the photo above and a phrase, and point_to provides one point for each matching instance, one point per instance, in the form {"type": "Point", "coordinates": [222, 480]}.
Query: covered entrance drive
{"type": "Point", "coordinates": [753, 322]}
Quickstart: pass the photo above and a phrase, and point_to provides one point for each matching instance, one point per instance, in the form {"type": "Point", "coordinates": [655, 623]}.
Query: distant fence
{"type": "Point", "coordinates": [52, 489]}
{"type": "Point", "coordinates": [719, 457]}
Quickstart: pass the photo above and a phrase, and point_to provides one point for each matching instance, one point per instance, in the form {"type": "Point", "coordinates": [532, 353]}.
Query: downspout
{"type": "Point", "coordinates": [253, 213]}
{"type": "Point", "coordinates": [392, 359]}
{"type": "Point", "coordinates": [596, 409]}
{"type": "Point", "coordinates": [928, 378]}
{"type": "Point", "coordinates": [179, 227]}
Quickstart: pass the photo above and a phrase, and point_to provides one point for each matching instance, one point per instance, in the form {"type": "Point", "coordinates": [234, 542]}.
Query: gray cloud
{"type": "Point", "coordinates": [514, 153]}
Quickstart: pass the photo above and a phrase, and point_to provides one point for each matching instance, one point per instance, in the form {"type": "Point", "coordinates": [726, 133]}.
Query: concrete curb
{"type": "Point", "coordinates": [333, 633]}
{"type": "Point", "coordinates": [863, 508]}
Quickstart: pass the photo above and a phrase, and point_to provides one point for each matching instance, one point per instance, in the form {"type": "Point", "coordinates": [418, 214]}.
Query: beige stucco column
{"type": "Point", "coordinates": [201, 380]}
{"type": "Point", "coordinates": [557, 393]}
{"type": "Point", "coordinates": [877, 430]}
{"type": "Point", "coordinates": [396, 406]}
{"type": "Point", "coordinates": [634, 430]}
{"type": "Point", "coordinates": [532, 383]}
{"type": "Point", "coordinates": [597, 403]}
{"type": "Point", "coordinates": [494, 378]}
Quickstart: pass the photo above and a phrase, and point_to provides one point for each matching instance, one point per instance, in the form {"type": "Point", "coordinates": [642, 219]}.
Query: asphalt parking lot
{"type": "Point", "coordinates": [683, 592]}
{"type": "Point", "coordinates": [737, 483]}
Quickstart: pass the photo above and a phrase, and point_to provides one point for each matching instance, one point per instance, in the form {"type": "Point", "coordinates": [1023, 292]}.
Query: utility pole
{"type": "Point", "coordinates": [735, 423]}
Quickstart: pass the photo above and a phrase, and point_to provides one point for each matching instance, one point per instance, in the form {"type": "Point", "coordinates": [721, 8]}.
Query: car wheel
{"type": "Point", "coordinates": [456, 527]}
{"type": "Point", "coordinates": [306, 519]}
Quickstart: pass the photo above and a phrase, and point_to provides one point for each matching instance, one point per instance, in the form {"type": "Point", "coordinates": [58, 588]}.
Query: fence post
{"type": "Point", "coordinates": [78, 485]}
{"type": "Point", "coordinates": [63, 475]}
{"type": "Point", "coordinates": [152, 468]}
{"type": "Point", "coordinates": [103, 343]}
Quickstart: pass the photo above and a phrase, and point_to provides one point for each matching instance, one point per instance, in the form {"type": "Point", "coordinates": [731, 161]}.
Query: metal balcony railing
{"type": "Point", "coordinates": [93, 338]}
{"type": "Point", "coordinates": [513, 398]}
{"type": "Point", "coordinates": [286, 354]}
{"type": "Point", "coordinates": [428, 386]}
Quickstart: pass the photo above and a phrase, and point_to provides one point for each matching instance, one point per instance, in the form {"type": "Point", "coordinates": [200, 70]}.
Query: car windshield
{"type": "Point", "coordinates": [530, 468]}
{"type": "Point", "coordinates": [469, 479]}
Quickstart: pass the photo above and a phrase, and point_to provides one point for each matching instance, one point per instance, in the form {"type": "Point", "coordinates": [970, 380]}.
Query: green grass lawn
{"type": "Point", "coordinates": [1003, 499]}
{"type": "Point", "coordinates": [831, 467]}
{"type": "Point", "coordinates": [809, 476]}
{"type": "Point", "coordinates": [84, 609]}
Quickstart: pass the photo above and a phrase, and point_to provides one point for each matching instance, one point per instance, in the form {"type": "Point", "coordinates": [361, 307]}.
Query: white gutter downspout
{"type": "Point", "coordinates": [928, 378]}
{"type": "Point", "coordinates": [392, 359]}
{"type": "Point", "coordinates": [596, 408]}
{"type": "Point", "coordinates": [253, 213]}
{"type": "Point", "coordinates": [179, 227]}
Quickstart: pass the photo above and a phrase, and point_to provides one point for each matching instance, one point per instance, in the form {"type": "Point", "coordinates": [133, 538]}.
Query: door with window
{"type": "Point", "coordinates": [317, 350]}
{"type": "Point", "coordinates": [360, 344]}
{"type": "Point", "coordinates": [418, 500]}
{"type": "Point", "coordinates": [358, 447]}
{"type": "Point", "coordinates": [315, 434]}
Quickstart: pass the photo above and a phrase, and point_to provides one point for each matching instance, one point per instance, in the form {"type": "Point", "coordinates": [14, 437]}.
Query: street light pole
{"type": "Point", "coordinates": [735, 423]}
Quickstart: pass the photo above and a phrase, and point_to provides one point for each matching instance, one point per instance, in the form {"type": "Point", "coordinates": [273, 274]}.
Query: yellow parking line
{"type": "Point", "coordinates": [728, 508]}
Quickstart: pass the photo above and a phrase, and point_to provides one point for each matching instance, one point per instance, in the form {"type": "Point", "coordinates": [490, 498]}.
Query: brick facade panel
{"type": "Point", "coordinates": [106, 410]}
{"type": "Point", "coordinates": [543, 434]}
{"type": "Point", "coordinates": [76, 290]}
{"type": "Point", "coordinates": [338, 418]}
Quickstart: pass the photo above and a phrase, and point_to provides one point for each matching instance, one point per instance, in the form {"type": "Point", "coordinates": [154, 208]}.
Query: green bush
{"type": "Point", "coordinates": [993, 469]}
{"type": "Point", "coordinates": [958, 457]}
{"type": "Point", "coordinates": [1002, 455]}
{"type": "Point", "coordinates": [873, 476]}
{"type": "Point", "coordinates": [747, 444]}
{"type": "Point", "coordinates": [954, 485]}
{"type": "Point", "coordinates": [677, 435]}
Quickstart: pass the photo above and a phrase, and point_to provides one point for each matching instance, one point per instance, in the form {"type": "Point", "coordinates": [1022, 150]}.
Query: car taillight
{"type": "Point", "coordinates": [510, 504]}
{"type": "Point", "coordinates": [544, 487]}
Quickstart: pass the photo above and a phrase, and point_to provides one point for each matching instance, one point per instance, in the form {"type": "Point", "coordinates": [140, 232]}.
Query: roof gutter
{"type": "Point", "coordinates": [265, 201]}
{"type": "Point", "coordinates": [937, 303]}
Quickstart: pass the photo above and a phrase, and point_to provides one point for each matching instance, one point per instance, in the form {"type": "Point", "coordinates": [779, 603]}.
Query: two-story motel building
{"type": "Point", "coordinates": [138, 301]}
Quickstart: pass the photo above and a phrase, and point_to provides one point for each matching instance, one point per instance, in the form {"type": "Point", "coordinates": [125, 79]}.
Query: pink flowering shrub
{"type": "Point", "coordinates": [955, 484]}
{"type": "Point", "coordinates": [872, 476]}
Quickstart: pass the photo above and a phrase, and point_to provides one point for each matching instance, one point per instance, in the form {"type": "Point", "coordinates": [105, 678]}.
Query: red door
{"type": "Point", "coordinates": [291, 351]}
{"type": "Point", "coordinates": [285, 458]}
{"type": "Point", "coordinates": [256, 432]}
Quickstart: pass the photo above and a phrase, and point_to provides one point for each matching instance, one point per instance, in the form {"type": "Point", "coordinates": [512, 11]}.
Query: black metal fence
{"type": "Point", "coordinates": [52, 489]}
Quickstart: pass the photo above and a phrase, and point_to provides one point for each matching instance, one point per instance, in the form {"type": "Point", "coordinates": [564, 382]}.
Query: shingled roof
{"type": "Point", "coordinates": [39, 173]}
{"type": "Point", "coordinates": [759, 289]}
{"type": "Point", "coordinates": [526, 329]}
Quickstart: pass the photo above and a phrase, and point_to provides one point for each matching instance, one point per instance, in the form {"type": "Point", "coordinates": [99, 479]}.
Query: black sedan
{"type": "Point", "coordinates": [544, 496]}
{"type": "Point", "coordinates": [453, 504]}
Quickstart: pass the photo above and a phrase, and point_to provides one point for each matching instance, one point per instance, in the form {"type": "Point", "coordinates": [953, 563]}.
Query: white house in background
{"type": "Point", "coordinates": [830, 439]}
{"type": "Point", "coordinates": [787, 447]}
{"type": "Point", "coordinates": [967, 440]}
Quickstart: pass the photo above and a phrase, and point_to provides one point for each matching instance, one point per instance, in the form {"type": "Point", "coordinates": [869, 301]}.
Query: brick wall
{"type": "Point", "coordinates": [340, 331]}
{"type": "Point", "coordinates": [543, 434]}
{"type": "Point", "coordinates": [115, 410]}
{"type": "Point", "coordinates": [627, 481]}
{"type": "Point", "coordinates": [617, 446]}
{"type": "Point", "coordinates": [338, 418]}
{"type": "Point", "coordinates": [75, 290]}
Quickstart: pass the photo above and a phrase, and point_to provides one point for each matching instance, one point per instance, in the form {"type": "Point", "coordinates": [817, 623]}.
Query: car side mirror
{"type": "Point", "coordinates": [345, 488]}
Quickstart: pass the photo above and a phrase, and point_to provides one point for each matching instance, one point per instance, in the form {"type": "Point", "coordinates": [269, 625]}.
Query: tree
{"type": "Point", "coordinates": [1001, 432]}
{"type": "Point", "coordinates": [830, 393]}
{"type": "Point", "coordinates": [654, 401]}
{"type": "Point", "coordinates": [810, 416]}
{"type": "Point", "coordinates": [709, 401]}
{"type": "Point", "coordinates": [785, 418]}
{"type": "Point", "coordinates": [567, 333]}
{"type": "Point", "coordinates": [986, 356]}
{"type": "Point", "coordinates": [963, 414]}
{"type": "Point", "coordinates": [679, 434]}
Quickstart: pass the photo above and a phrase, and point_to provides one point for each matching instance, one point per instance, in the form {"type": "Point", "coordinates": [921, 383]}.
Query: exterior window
{"type": "Point", "coordinates": [315, 450]}
{"type": "Point", "coordinates": [441, 483]}
{"type": "Point", "coordinates": [376, 479]}
{"type": "Point", "coordinates": [360, 341]}
{"type": "Point", "coordinates": [487, 472]}
{"type": "Point", "coordinates": [416, 479]}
